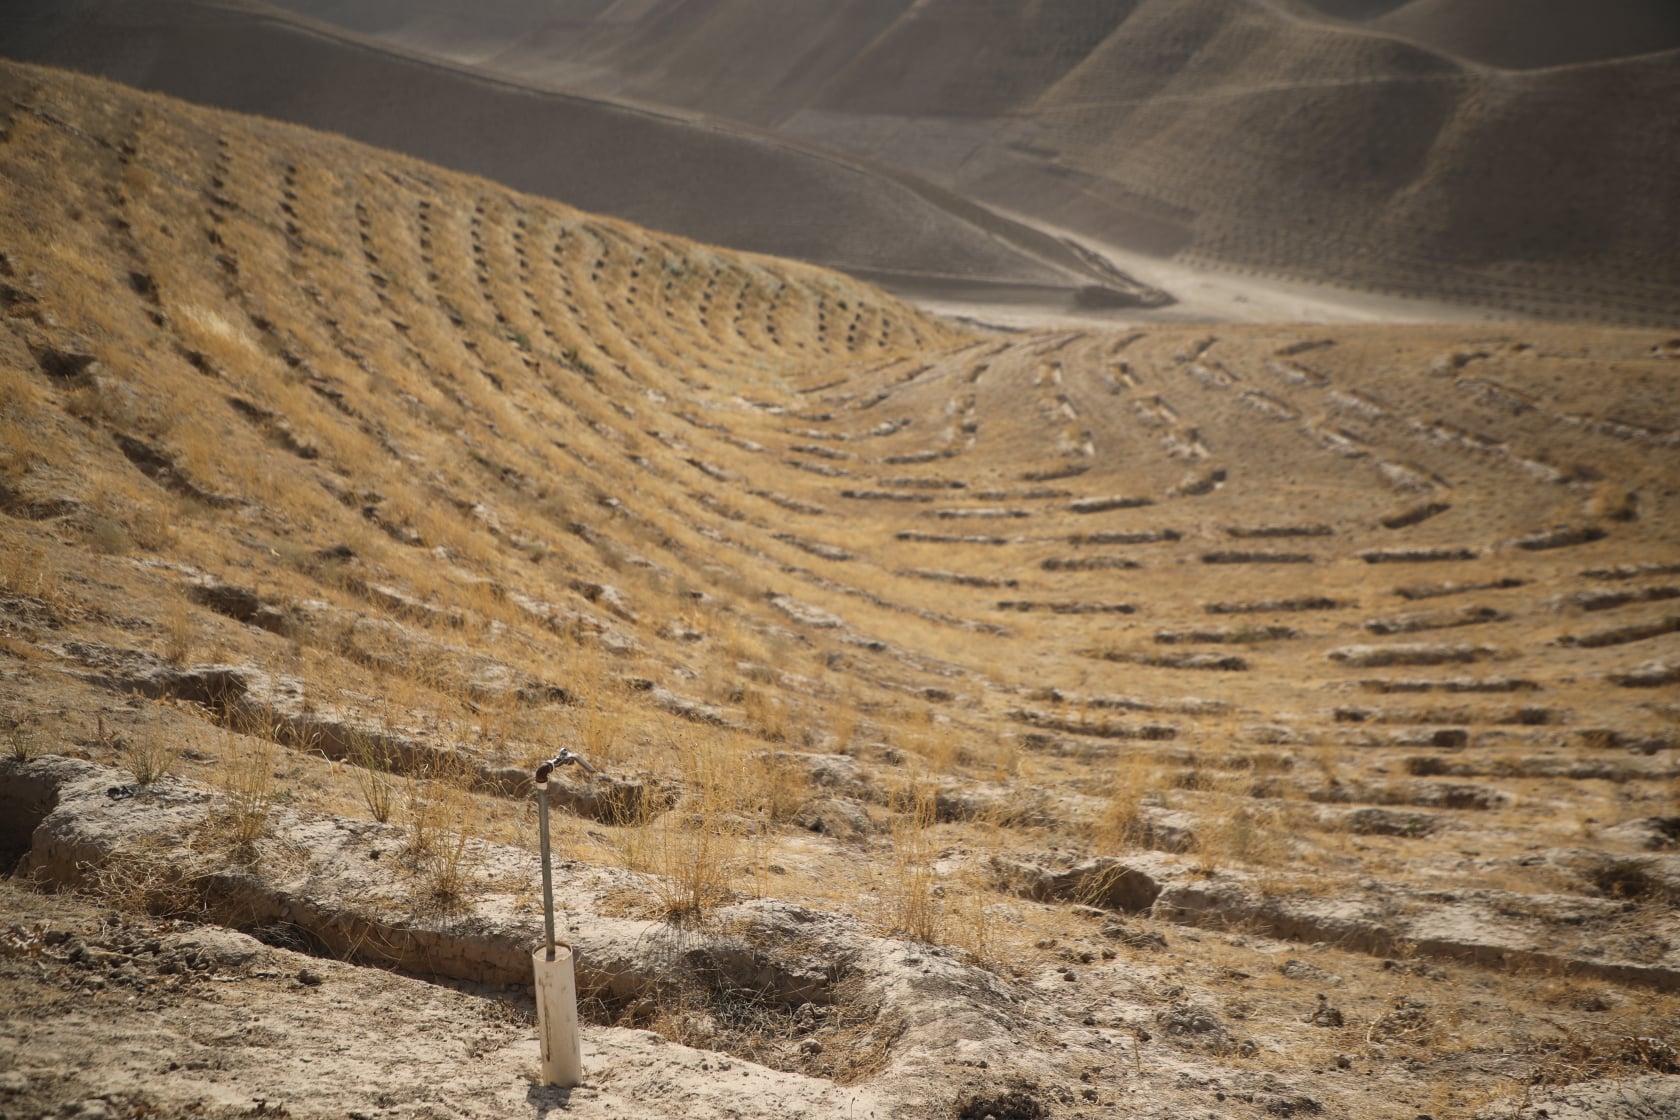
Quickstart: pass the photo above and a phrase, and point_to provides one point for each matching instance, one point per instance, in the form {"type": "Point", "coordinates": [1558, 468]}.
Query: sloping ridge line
{"type": "Point", "coordinates": [1018, 255]}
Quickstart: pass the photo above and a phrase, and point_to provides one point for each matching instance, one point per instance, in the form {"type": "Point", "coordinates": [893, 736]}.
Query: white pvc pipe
{"type": "Point", "coordinates": [557, 1028]}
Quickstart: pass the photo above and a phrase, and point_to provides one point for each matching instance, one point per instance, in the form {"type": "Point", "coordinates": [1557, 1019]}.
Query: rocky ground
{"type": "Point", "coordinates": [792, 1012]}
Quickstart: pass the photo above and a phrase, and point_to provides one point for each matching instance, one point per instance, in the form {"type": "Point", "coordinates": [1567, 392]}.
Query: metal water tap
{"type": "Point", "coordinates": [564, 758]}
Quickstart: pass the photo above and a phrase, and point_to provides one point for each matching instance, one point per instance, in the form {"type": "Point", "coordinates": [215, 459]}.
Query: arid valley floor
{"type": "Point", "coordinates": [1231, 720]}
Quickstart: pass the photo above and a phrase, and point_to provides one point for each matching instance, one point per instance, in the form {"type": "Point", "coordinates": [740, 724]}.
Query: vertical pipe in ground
{"type": "Point", "coordinates": [557, 1027]}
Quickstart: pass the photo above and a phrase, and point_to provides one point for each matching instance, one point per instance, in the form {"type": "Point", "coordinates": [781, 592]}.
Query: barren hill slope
{"type": "Point", "coordinates": [1377, 152]}
{"type": "Point", "coordinates": [1531, 35]}
{"type": "Point", "coordinates": [1264, 721]}
{"type": "Point", "coordinates": [702, 180]}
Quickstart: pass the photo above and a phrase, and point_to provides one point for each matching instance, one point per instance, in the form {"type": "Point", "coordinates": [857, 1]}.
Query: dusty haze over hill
{"type": "Point", "coordinates": [1516, 156]}
{"type": "Point", "coordinates": [712, 183]}
{"type": "Point", "coordinates": [1376, 151]}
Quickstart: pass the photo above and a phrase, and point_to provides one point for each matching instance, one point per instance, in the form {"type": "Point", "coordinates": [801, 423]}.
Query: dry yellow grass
{"type": "Point", "coordinates": [507, 510]}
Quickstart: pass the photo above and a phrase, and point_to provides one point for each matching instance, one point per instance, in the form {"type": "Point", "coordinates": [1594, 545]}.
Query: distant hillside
{"type": "Point", "coordinates": [1360, 142]}
{"type": "Point", "coordinates": [712, 183]}
{"type": "Point", "coordinates": [1528, 34]}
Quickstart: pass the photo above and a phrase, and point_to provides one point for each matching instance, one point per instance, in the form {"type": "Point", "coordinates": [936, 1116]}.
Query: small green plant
{"type": "Point", "coordinates": [573, 358]}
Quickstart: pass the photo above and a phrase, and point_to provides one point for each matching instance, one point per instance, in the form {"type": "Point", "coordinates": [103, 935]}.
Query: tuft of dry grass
{"type": "Point", "coordinates": [246, 782]}
{"type": "Point", "coordinates": [915, 907]}
{"type": "Point", "coordinates": [443, 822]}
{"type": "Point", "coordinates": [22, 739]}
{"type": "Point", "coordinates": [694, 857]}
{"type": "Point", "coordinates": [693, 865]}
{"type": "Point", "coordinates": [25, 570]}
{"type": "Point", "coordinates": [149, 756]}
{"type": "Point", "coordinates": [1120, 825]}
{"type": "Point", "coordinates": [180, 633]}
{"type": "Point", "coordinates": [371, 765]}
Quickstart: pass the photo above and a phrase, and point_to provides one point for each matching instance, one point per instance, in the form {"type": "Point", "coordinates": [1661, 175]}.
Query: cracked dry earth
{"type": "Point", "coordinates": [1233, 722]}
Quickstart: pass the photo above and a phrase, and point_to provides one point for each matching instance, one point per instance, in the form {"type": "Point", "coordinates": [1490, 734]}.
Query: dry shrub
{"type": "Point", "coordinates": [1605, 1053]}
{"type": "Point", "coordinates": [372, 769]}
{"type": "Point", "coordinates": [1612, 500]}
{"type": "Point", "coordinates": [107, 534]}
{"type": "Point", "coordinates": [694, 848]}
{"type": "Point", "coordinates": [1242, 833]}
{"type": "Point", "coordinates": [693, 865]}
{"type": "Point", "coordinates": [768, 712]}
{"type": "Point", "coordinates": [632, 834]}
{"type": "Point", "coordinates": [972, 909]}
{"type": "Point", "coordinates": [940, 746]}
{"type": "Point", "coordinates": [22, 740]}
{"type": "Point", "coordinates": [22, 445]}
{"type": "Point", "coordinates": [151, 527]}
{"type": "Point", "coordinates": [775, 786]}
{"type": "Point", "coordinates": [179, 632]}
{"type": "Point", "coordinates": [26, 571]}
{"type": "Point", "coordinates": [149, 755]}
{"type": "Point", "coordinates": [690, 856]}
{"type": "Point", "coordinates": [843, 721]}
{"type": "Point", "coordinates": [246, 780]}
{"type": "Point", "coordinates": [159, 875]}
{"type": "Point", "coordinates": [1121, 825]}
{"type": "Point", "coordinates": [599, 707]}
{"type": "Point", "coordinates": [916, 909]}
{"type": "Point", "coordinates": [443, 822]}
{"type": "Point", "coordinates": [102, 402]}
{"type": "Point", "coordinates": [225, 342]}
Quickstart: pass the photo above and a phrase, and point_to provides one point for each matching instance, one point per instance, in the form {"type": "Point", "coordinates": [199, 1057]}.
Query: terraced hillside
{"type": "Point", "coordinates": [665, 169]}
{"type": "Point", "coordinates": [1260, 720]}
{"type": "Point", "coordinates": [1481, 152]}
